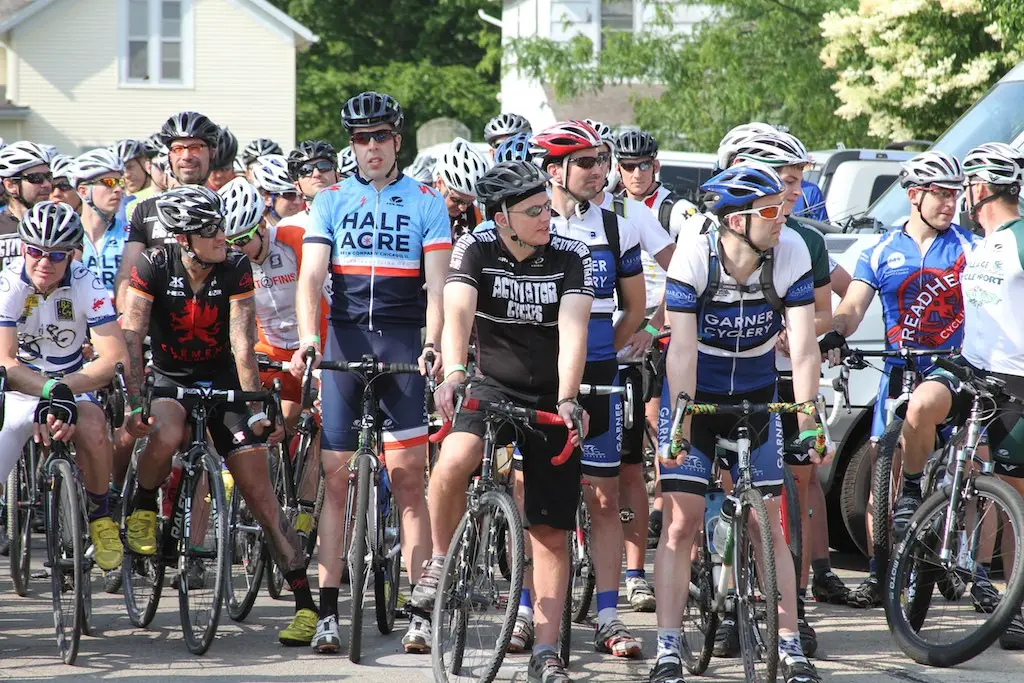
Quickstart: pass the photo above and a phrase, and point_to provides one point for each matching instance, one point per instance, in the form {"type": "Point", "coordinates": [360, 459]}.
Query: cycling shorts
{"type": "Point", "coordinates": [551, 492]}
{"type": "Point", "coordinates": [633, 438]}
{"type": "Point", "coordinates": [766, 457]}
{"type": "Point", "coordinates": [19, 417]}
{"type": "Point", "coordinates": [401, 397]}
{"type": "Point", "coordinates": [602, 449]}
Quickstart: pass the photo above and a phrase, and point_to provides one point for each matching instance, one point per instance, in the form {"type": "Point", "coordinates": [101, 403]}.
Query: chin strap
{"type": "Point", "coordinates": [108, 218]}
{"type": "Point", "coordinates": [745, 235]}
{"type": "Point", "coordinates": [565, 188]}
{"type": "Point", "coordinates": [974, 207]}
{"type": "Point", "coordinates": [514, 236]}
{"type": "Point", "coordinates": [192, 254]}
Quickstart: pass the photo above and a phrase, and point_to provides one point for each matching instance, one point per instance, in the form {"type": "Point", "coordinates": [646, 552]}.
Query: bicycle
{"type": "Point", "coordinates": [373, 538]}
{"type": "Point", "coordinates": [490, 532]}
{"type": "Point", "coordinates": [199, 508]}
{"type": "Point", "coordinates": [753, 573]}
{"type": "Point", "coordinates": [944, 542]}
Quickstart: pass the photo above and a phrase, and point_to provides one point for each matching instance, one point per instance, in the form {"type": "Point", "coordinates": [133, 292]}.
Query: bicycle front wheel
{"type": "Point", "coordinates": [581, 563]}
{"type": "Point", "coordinates": [65, 552]}
{"type": "Point", "coordinates": [700, 621]}
{"type": "Point", "coordinates": [357, 554]}
{"type": "Point", "coordinates": [248, 559]}
{"type": "Point", "coordinates": [793, 518]}
{"type": "Point", "coordinates": [886, 484]}
{"type": "Point", "coordinates": [142, 576]}
{"type": "Point", "coordinates": [476, 605]}
{"type": "Point", "coordinates": [19, 525]}
{"type": "Point", "coordinates": [929, 628]}
{"type": "Point", "coordinates": [275, 578]}
{"type": "Point", "coordinates": [757, 591]}
{"type": "Point", "coordinates": [203, 563]}
{"type": "Point", "coordinates": [387, 568]}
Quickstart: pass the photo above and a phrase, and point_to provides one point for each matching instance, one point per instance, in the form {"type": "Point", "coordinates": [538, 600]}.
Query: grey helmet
{"type": "Point", "coordinates": [51, 225]}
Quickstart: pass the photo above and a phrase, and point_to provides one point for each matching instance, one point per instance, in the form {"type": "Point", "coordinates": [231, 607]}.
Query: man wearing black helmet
{"type": "Point", "coordinates": [254, 150]}
{"type": "Point", "coordinates": [222, 166]}
{"type": "Point", "coordinates": [313, 165]}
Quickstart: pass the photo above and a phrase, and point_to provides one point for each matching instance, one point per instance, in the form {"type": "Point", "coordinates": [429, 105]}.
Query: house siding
{"type": "Point", "coordinates": [67, 72]}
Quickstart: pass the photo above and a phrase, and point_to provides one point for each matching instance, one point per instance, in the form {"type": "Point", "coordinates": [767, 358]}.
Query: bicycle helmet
{"type": "Point", "coordinates": [243, 207]}
{"type": "Point", "coordinates": [370, 109]}
{"type": "Point", "coordinates": [773, 149]}
{"type": "Point", "coordinates": [189, 208]}
{"type": "Point", "coordinates": [18, 157]}
{"type": "Point", "coordinates": [564, 138]}
{"type": "Point", "coordinates": [509, 183]}
{"type": "Point", "coordinates": [636, 144]}
{"type": "Point", "coordinates": [739, 186]}
{"type": "Point", "coordinates": [932, 168]}
{"type": "Point", "coordinates": [460, 167]}
{"type": "Point", "coordinates": [505, 125]}
{"type": "Point", "coordinates": [51, 225]}
{"type": "Point", "coordinates": [310, 150]}
{"type": "Point", "coordinates": [97, 162]}
{"type": "Point", "coordinates": [154, 143]}
{"type": "Point", "coordinates": [63, 166]}
{"type": "Point", "coordinates": [259, 147]}
{"type": "Point", "coordinates": [421, 169]}
{"type": "Point", "coordinates": [347, 163]}
{"type": "Point", "coordinates": [741, 133]}
{"type": "Point", "coordinates": [238, 166]}
{"type": "Point", "coordinates": [126, 150]}
{"type": "Point", "coordinates": [270, 173]}
{"type": "Point", "coordinates": [995, 163]}
{"type": "Point", "coordinates": [225, 150]}
{"type": "Point", "coordinates": [604, 131]}
{"type": "Point", "coordinates": [189, 124]}
{"type": "Point", "coordinates": [513, 148]}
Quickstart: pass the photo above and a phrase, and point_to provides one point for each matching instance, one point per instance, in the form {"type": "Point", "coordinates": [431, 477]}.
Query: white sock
{"type": "Point", "coordinates": [526, 613]}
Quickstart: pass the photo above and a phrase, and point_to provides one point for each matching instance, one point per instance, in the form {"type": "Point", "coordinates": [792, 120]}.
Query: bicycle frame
{"type": "Point", "coordinates": [370, 447]}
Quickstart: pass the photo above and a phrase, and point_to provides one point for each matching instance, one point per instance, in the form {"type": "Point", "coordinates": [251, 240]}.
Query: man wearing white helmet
{"type": "Point", "coordinates": [280, 196]}
{"type": "Point", "coordinates": [100, 184]}
{"type": "Point", "coordinates": [25, 170]}
{"type": "Point", "coordinates": [916, 271]}
{"type": "Point", "coordinates": [455, 177]}
{"type": "Point", "coordinates": [504, 126]}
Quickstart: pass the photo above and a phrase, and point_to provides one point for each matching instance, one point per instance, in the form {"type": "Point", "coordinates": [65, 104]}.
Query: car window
{"type": "Point", "coordinates": [685, 180]}
{"type": "Point", "coordinates": [880, 185]}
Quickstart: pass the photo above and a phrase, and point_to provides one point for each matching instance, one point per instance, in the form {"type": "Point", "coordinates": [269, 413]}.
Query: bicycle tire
{"type": "Point", "coordinates": [565, 626]}
{"type": "Point", "coordinates": [794, 519]}
{"type": "Point", "coordinates": [387, 571]}
{"type": "Point", "coordinates": [583, 579]}
{"type": "Point", "coordinates": [19, 526]}
{"type": "Point", "coordinates": [357, 554]}
{"type": "Point", "coordinates": [759, 635]}
{"type": "Point", "coordinates": [199, 632]}
{"type": "Point", "coordinates": [883, 493]}
{"type": "Point", "coordinates": [698, 612]}
{"type": "Point", "coordinates": [249, 553]}
{"type": "Point", "coordinates": [275, 578]}
{"type": "Point", "coordinates": [142, 576]}
{"type": "Point", "coordinates": [318, 505]}
{"type": "Point", "coordinates": [909, 556]}
{"type": "Point", "coordinates": [65, 553]}
{"type": "Point", "coordinates": [473, 544]}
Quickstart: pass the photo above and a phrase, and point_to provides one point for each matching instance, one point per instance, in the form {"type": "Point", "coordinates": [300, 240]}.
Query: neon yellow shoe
{"type": "Point", "coordinates": [300, 632]}
{"type": "Point", "coordinates": [106, 540]}
{"type": "Point", "coordinates": [304, 523]}
{"type": "Point", "coordinates": [142, 532]}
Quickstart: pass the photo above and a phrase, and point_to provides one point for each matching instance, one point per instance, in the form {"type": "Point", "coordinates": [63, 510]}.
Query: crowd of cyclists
{"type": "Point", "coordinates": [523, 273]}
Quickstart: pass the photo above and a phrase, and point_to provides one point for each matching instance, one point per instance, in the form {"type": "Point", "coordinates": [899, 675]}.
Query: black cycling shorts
{"type": "Point", "coordinates": [551, 492]}
{"type": "Point", "coordinates": [633, 438]}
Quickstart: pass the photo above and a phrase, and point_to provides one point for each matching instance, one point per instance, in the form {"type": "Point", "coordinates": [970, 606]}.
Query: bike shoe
{"type": "Point", "coordinates": [142, 532]}
{"type": "Point", "coordinates": [640, 594]}
{"type": "Point", "coordinates": [654, 529]}
{"type": "Point", "coordinates": [905, 508]}
{"type": "Point", "coordinates": [522, 635]}
{"type": "Point", "coordinates": [829, 588]}
{"type": "Point", "coordinates": [985, 596]}
{"type": "Point", "coordinates": [667, 669]}
{"type": "Point", "coordinates": [301, 630]}
{"type": "Point", "coordinates": [327, 639]}
{"type": "Point", "coordinates": [106, 540]}
{"type": "Point", "coordinates": [798, 671]}
{"type": "Point", "coordinates": [1013, 637]}
{"type": "Point", "coordinates": [867, 594]}
{"type": "Point", "coordinates": [727, 639]}
{"type": "Point", "coordinates": [546, 667]}
{"type": "Point", "coordinates": [808, 636]}
{"type": "Point", "coordinates": [426, 588]}
{"type": "Point", "coordinates": [615, 640]}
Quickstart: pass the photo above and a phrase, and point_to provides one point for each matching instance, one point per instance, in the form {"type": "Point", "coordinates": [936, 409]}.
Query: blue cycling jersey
{"type": "Point", "coordinates": [921, 302]}
{"type": "Point", "coordinates": [104, 257]}
{"type": "Point", "coordinates": [811, 203]}
{"type": "Point", "coordinates": [377, 239]}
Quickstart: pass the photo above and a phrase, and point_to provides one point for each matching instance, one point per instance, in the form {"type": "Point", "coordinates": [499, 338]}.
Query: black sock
{"type": "Point", "coordinates": [912, 482]}
{"type": "Point", "coordinates": [821, 567]}
{"type": "Point", "coordinates": [145, 499]}
{"type": "Point", "coordinates": [328, 602]}
{"type": "Point", "coordinates": [299, 585]}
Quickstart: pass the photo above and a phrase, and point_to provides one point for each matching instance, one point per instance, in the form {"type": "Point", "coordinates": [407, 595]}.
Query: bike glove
{"type": "Point", "coordinates": [61, 405]}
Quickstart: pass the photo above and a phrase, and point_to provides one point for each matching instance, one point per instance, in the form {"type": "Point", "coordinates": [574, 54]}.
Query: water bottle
{"type": "Point", "coordinates": [713, 500]}
{"type": "Point", "coordinates": [723, 526]}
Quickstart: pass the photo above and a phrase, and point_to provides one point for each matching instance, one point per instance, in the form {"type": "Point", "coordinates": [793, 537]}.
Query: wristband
{"type": "Point", "coordinates": [566, 400]}
{"type": "Point", "coordinates": [48, 387]}
{"type": "Point", "coordinates": [452, 369]}
{"type": "Point", "coordinates": [136, 411]}
{"type": "Point", "coordinates": [652, 329]}
{"type": "Point", "coordinates": [428, 345]}
{"type": "Point", "coordinates": [258, 417]}
{"type": "Point", "coordinates": [313, 339]}
{"type": "Point", "coordinates": [808, 434]}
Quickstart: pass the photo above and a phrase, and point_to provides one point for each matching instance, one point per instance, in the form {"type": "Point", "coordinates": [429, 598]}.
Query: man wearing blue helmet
{"type": "Point", "coordinates": [726, 300]}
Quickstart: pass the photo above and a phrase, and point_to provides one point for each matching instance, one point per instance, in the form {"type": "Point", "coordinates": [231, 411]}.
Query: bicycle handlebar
{"type": "Point", "coordinates": [208, 395]}
{"type": "Point", "coordinates": [961, 372]}
{"type": "Point", "coordinates": [601, 389]}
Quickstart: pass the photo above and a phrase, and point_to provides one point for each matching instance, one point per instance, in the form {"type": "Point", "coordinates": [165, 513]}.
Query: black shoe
{"type": "Point", "coordinates": [196, 576]}
{"type": "Point", "coordinates": [867, 594]}
{"type": "Point", "coordinates": [727, 639]}
{"type": "Point", "coordinates": [667, 670]}
{"type": "Point", "coordinates": [1013, 637]}
{"type": "Point", "coordinates": [798, 671]}
{"type": "Point", "coordinates": [829, 588]}
{"type": "Point", "coordinates": [654, 529]}
{"type": "Point", "coordinates": [546, 667]}
{"type": "Point", "coordinates": [808, 637]}
{"type": "Point", "coordinates": [905, 508]}
{"type": "Point", "coordinates": [985, 596]}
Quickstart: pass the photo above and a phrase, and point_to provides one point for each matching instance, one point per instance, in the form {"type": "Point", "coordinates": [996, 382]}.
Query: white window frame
{"type": "Point", "coordinates": [187, 81]}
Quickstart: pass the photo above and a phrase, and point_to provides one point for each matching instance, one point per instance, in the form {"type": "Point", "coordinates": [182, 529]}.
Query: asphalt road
{"type": "Point", "coordinates": [855, 647]}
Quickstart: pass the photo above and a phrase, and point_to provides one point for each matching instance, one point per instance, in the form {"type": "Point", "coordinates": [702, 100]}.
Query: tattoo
{"type": "Point", "coordinates": [242, 333]}
{"type": "Point", "coordinates": [135, 323]}
{"type": "Point", "coordinates": [285, 546]}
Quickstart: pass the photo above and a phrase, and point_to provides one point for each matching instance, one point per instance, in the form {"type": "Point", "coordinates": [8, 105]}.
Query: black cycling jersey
{"type": "Point", "coordinates": [464, 223]}
{"type": "Point", "coordinates": [10, 249]}
{"type": "Point", "coordinates": [516, 322]}
{"type": "Point", "coordinates": [145, 227]}
{"type": "Point", "coordinates": [189, 330]}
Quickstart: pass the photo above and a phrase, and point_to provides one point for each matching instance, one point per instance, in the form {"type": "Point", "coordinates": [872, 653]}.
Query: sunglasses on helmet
{"type": "Point", "coordinates": [53, 256]}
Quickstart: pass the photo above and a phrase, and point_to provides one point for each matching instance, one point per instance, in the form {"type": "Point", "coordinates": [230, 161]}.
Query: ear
{"type": "Point", "coordinates": [10, 185]}
{"type": "Point", "coordinates": [499, 219]}
{"type": "Point", "coordinates": [82, 190]}
{"type": "Point", "coordinates": [398, 143]}
{"type": "Point", "coordinates": [182, 240]}
{"type": "Point", "coordinates": [657, 166]}
{"type": "Point", "coordinates": [554, 170]}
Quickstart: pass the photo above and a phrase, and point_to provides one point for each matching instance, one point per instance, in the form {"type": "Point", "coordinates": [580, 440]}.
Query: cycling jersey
{"type": "Point", "coordinates": [822, 266]}
{"type": "Point", "coordinates": [921, 302]}
{"type": "Point", "coordinates": [378, 238]}
{"type": "Point", "coordinates": [104, 258]}
{"type": "Point", "coordinates": [189, 329]}
{"type": "Point", "coordinates": [145, 226]}
{"type": "Point", "coordinates": [737, 330]}
{"type": "Point", "coordinates": [607, 269]}
{"type": "Point", "coordinates": [993, 289]}
{"type": "Point", "coordinates": [10, 249]}
{"type": "Point", "coordinates": [811, 203]}
{"type": "Point", "coordinates": [681, 211]}
{"type": "Point", "coordinates": [52, 329]}
{"type": "Point", "coordinates": [465, 222]}
{"type": "Point", "coordinates": [653, 239]}
{"type": "Point", "coordinates": [517, 305]}
{"type": "Point", "coordinates": [132, 201]}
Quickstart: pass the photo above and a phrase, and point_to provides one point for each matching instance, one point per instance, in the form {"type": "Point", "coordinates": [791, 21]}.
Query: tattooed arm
{"type": "Point", "coordinates": [242, 333]}
{"type": "Point", "coordinates": [135, 324]}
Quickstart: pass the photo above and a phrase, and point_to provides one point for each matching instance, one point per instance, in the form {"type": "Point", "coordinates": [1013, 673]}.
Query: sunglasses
{"type": "Point", "coordinates": [289, 196]}
{"type": "Point", "coordinates": [210, 230]}
{"type": "Point", "coordinates": [535, 210]}
{"type": "Point", "coordinates": [244, 238]}
{"type": "Point", "coordinates": [464, 202]}
{"type": "Point", "coordinates": [63, 186]}
{"type": "Point", "coordinates": [630, 167]}
{"type": "Point", "coordinates": [944, 194]}
{"type": "Point", "coordinates": [769, 213]}
{"type": "Point", "coordinates": [109, 183]}
{"type": "Point", "coordinates": [322, 165]}
{"type": "Point", "coordinates": [588, 162]}
{"type": "Point", "coordinates": [363, 138]}
{"type": "Point", "coordinates": [194, 148]}
{"type": "Point", "coordinates": [54, 256]}
{"type": "Point", "coordinates": [37, 178]}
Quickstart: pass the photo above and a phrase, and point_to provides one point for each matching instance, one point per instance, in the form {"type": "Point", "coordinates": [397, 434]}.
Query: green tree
{"type": "Point", "coordinates": [751, 60]}
{"type": "Point", "coordinates": [437, 59]}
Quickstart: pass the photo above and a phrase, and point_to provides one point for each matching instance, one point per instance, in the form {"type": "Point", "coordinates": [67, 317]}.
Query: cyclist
{"type": "Point", "coordinates": [190, 139]}
{"type": "Point", "coordinates": [255, 149]}
{"type": "Point", "coordinates": [63, 187]}
{"type": "Point", "coordinates": [526, 351]}
{"type": "Point", "coordinates": [991, 282]}
{"type": "Point", "coordinates": [280, 196]}
{"type": "Point", "coordinates": [455, 177]}
{"type": "Point", "coordinates": [718, 355]}
{"type": "Point", "coordinates": [134, 157]}
{"type": "Point", "coordinates": [26, 178]}
{"type": "Point", "coordinates": [569, 153]}
{"type": "Point", "coordinates": [811, 203]}
{"type": "Point", "coordinates": [347, 166]}
{"type": "Point", "coordinates": [275, 255]}
{"type": "Point", "coordinates": [312, 166]}
{"type": "Point", "coordinates": [222, 165]}
{"type": "Point", "coordinates": [503, 126]}
{"type": "Point", "coordinates": [514, 148]}
{"type": "Point", "coordinates": [50, 305]}
{"type": "Point", "coordinates": [195, 298]}
{"type": "Point", "coordinates": [99, 176]}
{"type": "Point", "coordinates": [916, 271]}
{"type": "Point", "coordinates": [384, 236]}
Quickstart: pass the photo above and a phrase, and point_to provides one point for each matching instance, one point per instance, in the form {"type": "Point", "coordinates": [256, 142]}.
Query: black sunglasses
{"type": "Point", "coordinates": [210, 230]}
{"type": "Point", "coordinates": [63, 186]}
{"type": "Point", "coordinates": [630, 167]}
{"type": "Point", "coordinates": [364, 138]}
{"type": "Point", "coordinates": [585, 162]}
{"type": "Point", "coordinates": [322, 165]}
{"type": "Point", "coordinates": [36, 178]}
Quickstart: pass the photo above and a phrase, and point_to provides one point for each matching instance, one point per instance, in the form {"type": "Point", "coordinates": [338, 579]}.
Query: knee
{"type": "Point", "coordinates": [407, 483]}
{"type": "Point", "coordinates": [604, 499]}
{"type": "Point", "coordinates": [682, 529]}
{"type": "Point", "coordinates": [91, 436]}
{"type": "Point", "coordinates": [923, 410]}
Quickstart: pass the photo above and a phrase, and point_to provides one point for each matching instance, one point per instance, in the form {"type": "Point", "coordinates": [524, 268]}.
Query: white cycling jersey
{"type": "Point", "coordinates": [682, 212]}
{"type": "Point", "coordinates": [653, 239]}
